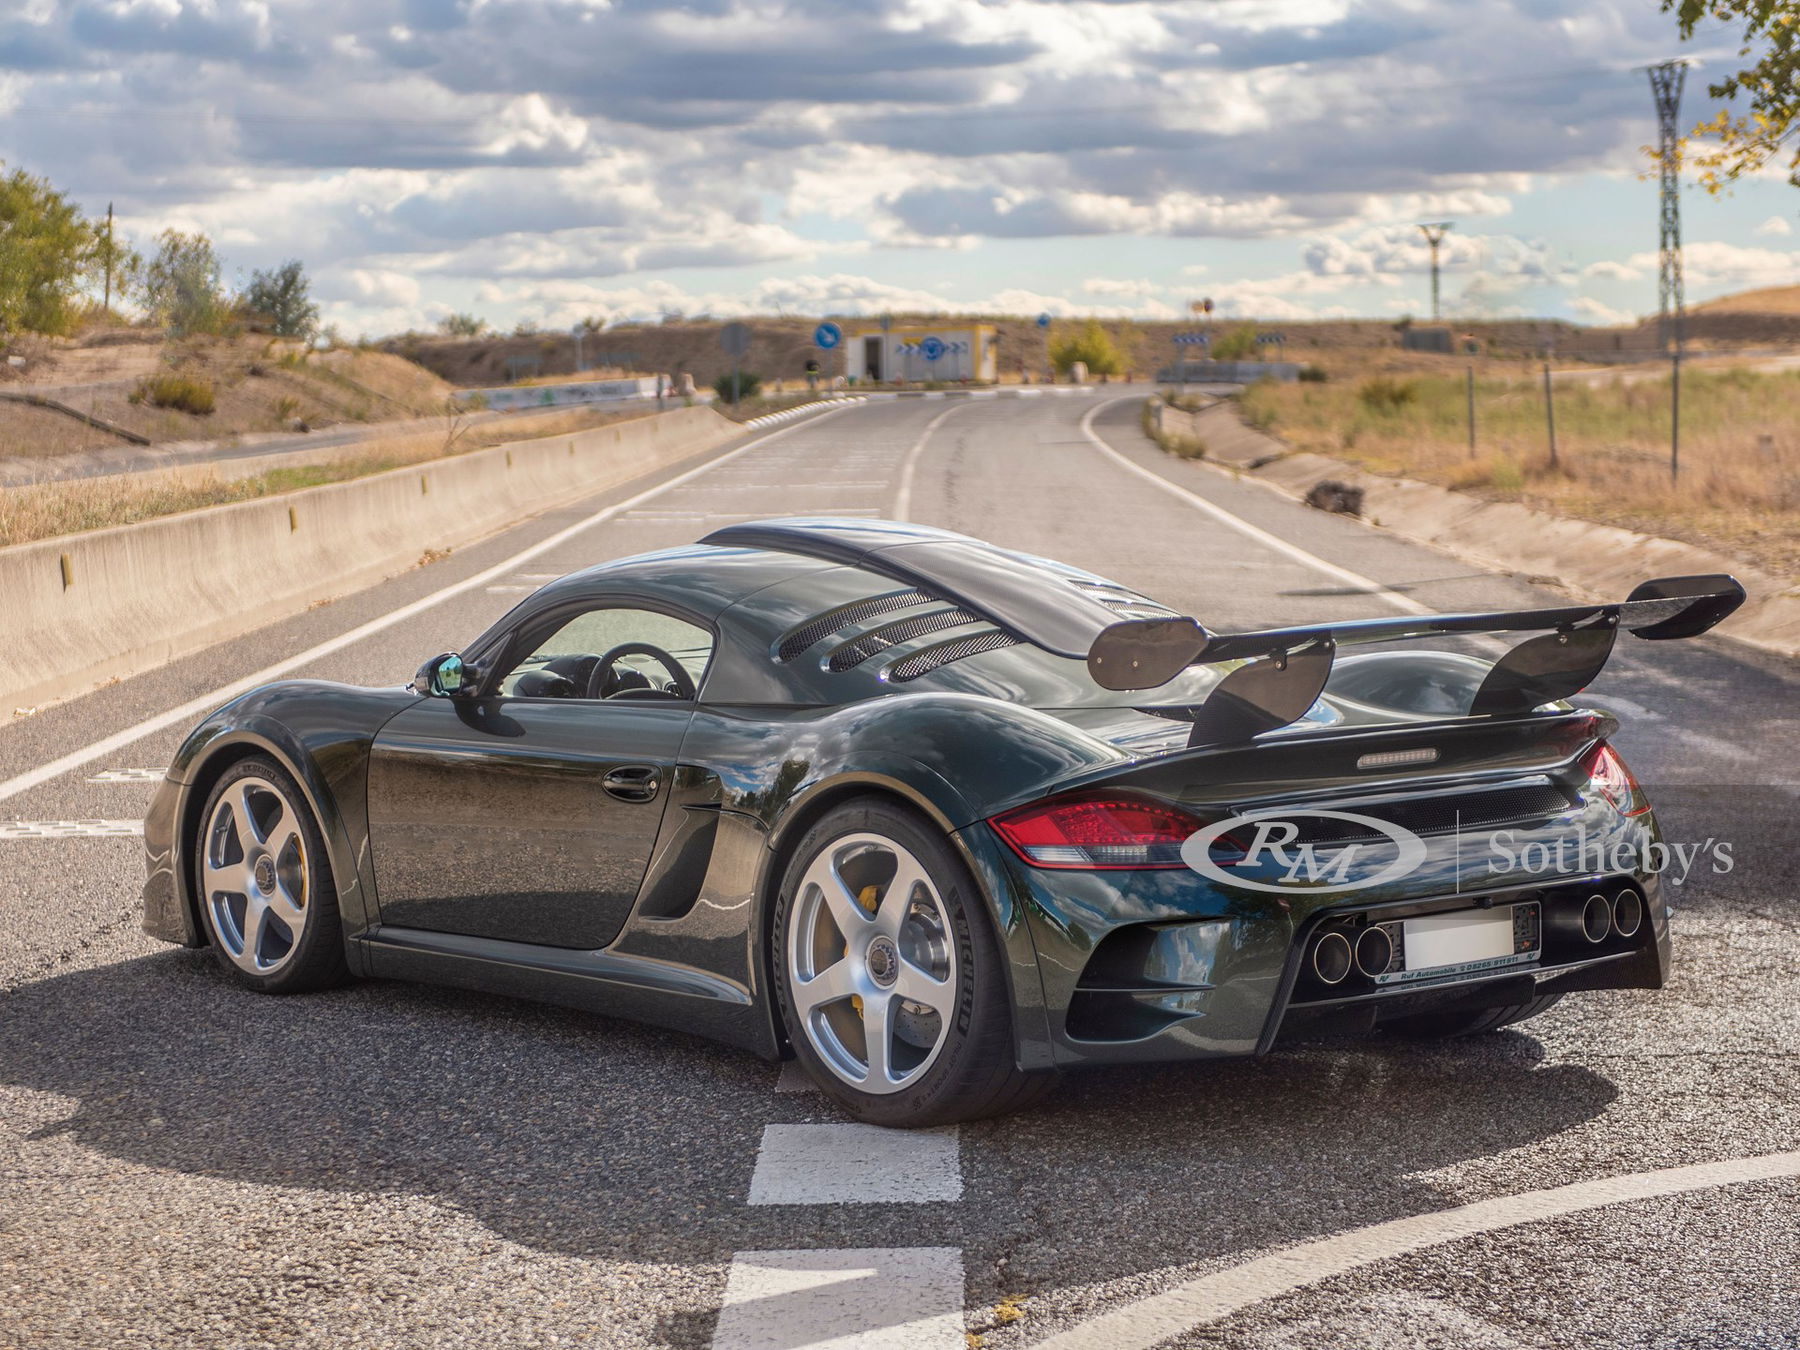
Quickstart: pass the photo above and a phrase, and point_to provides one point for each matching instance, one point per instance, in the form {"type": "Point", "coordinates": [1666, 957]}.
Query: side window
{"type": "Point", "coordinates": [613, 654]}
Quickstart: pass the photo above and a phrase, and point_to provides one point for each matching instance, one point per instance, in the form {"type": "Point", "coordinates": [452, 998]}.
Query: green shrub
{"type": "Point", "coordinates": [1091, 345]}
{"type": "Point", "coordinates": [1384, 394]}
{"type": "Point", "coordinates": [746, 386]}
{"type": "Point", "coordinates": [1508, 477]}
{"type": "Point", "coordinates": [179, 392]}
{"type": "Point", "coordinates": [1237, 345]}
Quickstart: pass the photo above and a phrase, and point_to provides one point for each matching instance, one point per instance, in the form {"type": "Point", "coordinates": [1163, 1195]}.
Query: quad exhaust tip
{"type": "Point", "coordinates": [1596, 919]}
{"type": "Point", "coordinates": [1332, 958]}
{"type": "Point", "coordinates": [1627, 913]}
{"type": "Point", "coordinates": [1374, 951]}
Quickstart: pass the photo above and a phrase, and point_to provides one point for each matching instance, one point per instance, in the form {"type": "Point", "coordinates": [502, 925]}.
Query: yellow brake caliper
{"type": "Point", "coordinates": [865, 898]}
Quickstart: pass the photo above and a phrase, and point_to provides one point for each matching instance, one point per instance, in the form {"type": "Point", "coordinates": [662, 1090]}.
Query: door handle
{"type": "Point", "coordinates": [633, 783]}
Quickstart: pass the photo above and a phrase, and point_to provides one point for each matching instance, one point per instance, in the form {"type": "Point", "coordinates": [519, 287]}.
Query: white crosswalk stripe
{"type": "Point", "coordinates": [855, 1165]}
{"type": "Point", "coordinates": [872, 1298]}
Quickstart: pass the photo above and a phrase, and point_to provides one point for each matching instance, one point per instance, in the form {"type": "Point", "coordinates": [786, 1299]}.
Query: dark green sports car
{"type": "Point", "coordinates": [936, 818]}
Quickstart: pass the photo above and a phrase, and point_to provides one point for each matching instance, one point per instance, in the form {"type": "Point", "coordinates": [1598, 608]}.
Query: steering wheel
{"type": "Point", "coordinates": [681, 683]}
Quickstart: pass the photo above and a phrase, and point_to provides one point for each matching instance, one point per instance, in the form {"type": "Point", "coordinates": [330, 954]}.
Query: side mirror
{"type": "Point", "coordinates": [445, 677]}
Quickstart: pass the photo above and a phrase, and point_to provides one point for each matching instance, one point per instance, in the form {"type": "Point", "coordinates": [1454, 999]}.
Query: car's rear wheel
{"type": "Point", "coordinates": [889, 975]}
{"type": "Point", "coordinates": [1435, 1027]}
{"type": "Point", "coordinates": [264, 882]}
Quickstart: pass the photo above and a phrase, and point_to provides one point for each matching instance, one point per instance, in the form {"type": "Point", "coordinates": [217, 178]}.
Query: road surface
{"type": "Point", "coordinates": [187, 1164]}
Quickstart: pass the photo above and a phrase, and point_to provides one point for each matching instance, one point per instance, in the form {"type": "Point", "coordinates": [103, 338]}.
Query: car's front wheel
{"type": "Point", "coordinates": [889, 975]}
{"type": "Point", "coordinates": [264, 882]}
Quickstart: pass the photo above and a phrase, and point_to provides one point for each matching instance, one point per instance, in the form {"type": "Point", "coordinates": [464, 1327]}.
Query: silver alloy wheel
{"type": "Point", "coordinates": [253, 875]}
{"type": "Point", "coordinates": [871, 963]}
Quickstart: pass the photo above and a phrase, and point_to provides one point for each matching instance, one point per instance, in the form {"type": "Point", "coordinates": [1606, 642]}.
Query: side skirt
{"type": "Point", "coordinates": [638, 988]}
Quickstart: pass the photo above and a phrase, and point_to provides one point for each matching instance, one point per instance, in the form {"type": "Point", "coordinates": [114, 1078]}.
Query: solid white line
{"type": "Point", "coordinates": [206, 702]}
{"type": "Point", "coordinates": [877, 1298]}
{"type": "Point", "coordinates": [1354, 580]}
{"type": "Point", "coordinates": [855, 1165]}
{"type": "Point", "coordinates": [1214, 1297]}
{"type": "Point", "coordinates": [903, 494]}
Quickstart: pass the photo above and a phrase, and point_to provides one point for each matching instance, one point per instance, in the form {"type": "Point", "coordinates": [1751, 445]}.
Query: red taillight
{"type": "Point", "coordinates": [1608, 775]}
{"type": "Point", "coordinates": [1102, 830]}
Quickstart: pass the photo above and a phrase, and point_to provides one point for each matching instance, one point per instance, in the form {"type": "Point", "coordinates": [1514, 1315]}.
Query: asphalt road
{"type": "Point", "coordinates": [185, 1164]}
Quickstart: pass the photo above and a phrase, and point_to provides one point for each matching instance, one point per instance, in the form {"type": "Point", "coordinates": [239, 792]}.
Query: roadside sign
{"type": "Point", "coordinates": [932, 348]}
{"type": "Point", "coordinates": [735, 338]}
{"type": "Point", "coordinates": [1043, 321]}
{"type": "Point", "coordinates": [1207, 305]}
{"type": "Point", "coordinates": [827, 336]}
{"type": "Point", "coordinates": [1192, 340]}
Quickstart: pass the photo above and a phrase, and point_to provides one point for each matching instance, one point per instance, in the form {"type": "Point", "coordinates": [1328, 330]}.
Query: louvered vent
{"type": "Point", "coordinates": [923, 663]}
{"type": "Point", "coordinates": [873, 644]}
{"type": "Point", "coordinates": [1128, 604]}
{"type": "Point", "coordinates": [817, 630]}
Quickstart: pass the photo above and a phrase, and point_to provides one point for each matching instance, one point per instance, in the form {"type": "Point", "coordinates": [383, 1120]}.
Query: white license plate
{"type": "Point", "coordinates": [1464, 942]}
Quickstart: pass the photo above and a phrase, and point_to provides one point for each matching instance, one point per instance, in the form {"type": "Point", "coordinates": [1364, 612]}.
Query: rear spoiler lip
{"type": "Point", "coordinates": [1143, 653]}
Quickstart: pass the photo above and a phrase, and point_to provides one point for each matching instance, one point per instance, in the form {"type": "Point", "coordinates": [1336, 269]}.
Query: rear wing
{"type": "Point", "coordinates": [1286, 668]}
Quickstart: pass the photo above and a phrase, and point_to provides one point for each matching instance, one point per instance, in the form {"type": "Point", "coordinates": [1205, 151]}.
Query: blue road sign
{"type": "Point", "coordinates": [1043, 321]}
{"type": "Point", "coordinates": [932, 348]}
{"type": "Point", "coordinates": [827, 336]}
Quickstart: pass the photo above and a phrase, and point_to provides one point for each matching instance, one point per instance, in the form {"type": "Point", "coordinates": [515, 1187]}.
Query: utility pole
{"type": "Point", "coordinates": [1666, 81]}
{"type": "Point", "coordinates": [1434, 233]}
{"type": "Point", "coordinates": [106, 304]}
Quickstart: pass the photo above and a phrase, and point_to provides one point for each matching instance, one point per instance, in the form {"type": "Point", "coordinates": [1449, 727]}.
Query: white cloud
{"type": "Point", "coordinates": [1775, 225]}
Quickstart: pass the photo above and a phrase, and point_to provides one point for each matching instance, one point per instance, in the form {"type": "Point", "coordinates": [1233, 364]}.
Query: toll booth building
{"type": "Point", "coordinates": [919, 355]}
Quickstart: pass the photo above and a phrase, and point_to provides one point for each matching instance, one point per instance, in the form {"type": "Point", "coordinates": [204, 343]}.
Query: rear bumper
{"type": "Point", "coordinates": [1164, 965]}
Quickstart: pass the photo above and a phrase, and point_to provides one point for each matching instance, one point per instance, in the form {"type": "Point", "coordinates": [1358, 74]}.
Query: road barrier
{"type": "Point", "coordinates": [86, 608]}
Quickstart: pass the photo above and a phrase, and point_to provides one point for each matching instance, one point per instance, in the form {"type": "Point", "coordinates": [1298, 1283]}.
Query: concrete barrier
{"type": "Point", "coordinates": [82, 609]}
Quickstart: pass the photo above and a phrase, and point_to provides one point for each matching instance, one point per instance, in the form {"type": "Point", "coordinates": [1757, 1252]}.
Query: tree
{"type": "Point", "coordinates": [280, 301]}
{"type": "Point", "coordinates": [47, 250]}
{"type": "Point", "coordinates": [180, 286]}
{"type": "Point", "coordinates": [1766, 129]}
{"type": "Point", "coordinates": [462, 325]}
{"type": "Point", "coordinates": [1237, 345]}
{"type": "Point", "coordinates": [1091, 346]}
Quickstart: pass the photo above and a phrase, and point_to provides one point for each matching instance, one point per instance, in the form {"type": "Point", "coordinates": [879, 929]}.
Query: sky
{"type": "Point", "coordinates": [547, 161]}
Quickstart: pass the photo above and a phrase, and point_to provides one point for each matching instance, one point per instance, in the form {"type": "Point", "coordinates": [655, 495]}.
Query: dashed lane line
{"type": "Point", "coordinates": [1214, 1297]}
{"type": "Point", "coordinates": [855, 1164]}
{"type": "Point", "coordinates": [195, 707]}
{"type": "Point", "coordinates": [71, 829]}
{"type": "Point", "coordinates": [873, 1298]}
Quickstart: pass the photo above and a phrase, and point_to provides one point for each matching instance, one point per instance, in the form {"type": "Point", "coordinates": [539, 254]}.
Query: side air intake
{"type": "Point", "coordinates": [814, 631]}
{"type": "Point", "coordinates": [858, 650]}
{"type": "Point", "coordinates": [923, 663]}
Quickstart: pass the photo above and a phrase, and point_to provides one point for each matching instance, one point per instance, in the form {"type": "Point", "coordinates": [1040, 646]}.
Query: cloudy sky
{"type": "Point", "coordinates": [547, 160]}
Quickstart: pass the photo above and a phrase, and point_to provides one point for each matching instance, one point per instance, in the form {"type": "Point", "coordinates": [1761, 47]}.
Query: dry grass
{"type": "Point", "coordinates": [46, 510]}
{"type": "Point", "coordinates": [1773, 300]}
{"type": "Point", "coordinates": [1739, 491]}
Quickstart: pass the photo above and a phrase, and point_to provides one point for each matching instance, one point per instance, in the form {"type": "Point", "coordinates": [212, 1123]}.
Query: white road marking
{"type": "Point", "coordinates": [877, 1298]}
{"type": "Point", "coordinates": [71, 829]}
{"type": "Point", "coordinates": [129, 776]}
{"type": "Point", "coordinates": [793, 1078]}
{"type": "Point", "coordinates": [1354, 580]}
{"type": "Point", "coordinates": [1214, 1297]}
{"type": "Point", "coordinates": [205, 703]}
{"type": "Point", "coordinates": [855, 1165]}
{"type": "Point", "coordinates": [903, 493]}
{"type": "Point", "coordinates": [510, 590]}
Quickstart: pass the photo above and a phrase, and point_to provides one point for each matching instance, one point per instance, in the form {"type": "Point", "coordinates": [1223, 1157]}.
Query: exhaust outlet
{"type": "Point", "coordinates": [1331, 958]}
{"type": "Point", "coordinates": [1374, 951]}
{"type": "Point", "coordinates": [1627, 913]}
{"type": "Point", "coordinates": [1587, 921]}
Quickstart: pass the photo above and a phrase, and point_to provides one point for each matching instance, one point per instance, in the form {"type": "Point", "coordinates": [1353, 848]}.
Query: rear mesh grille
{"type": "Point", "coordinates": [817, 630]}
{"type": "Point", "coordinates": [1437, 815]}
{"type": "Point", "coordinates": [873, 644]}
{"type": "Point", "coordinates": [1129, 604]}
{"type": "Point", "coordinates": [923, 663]}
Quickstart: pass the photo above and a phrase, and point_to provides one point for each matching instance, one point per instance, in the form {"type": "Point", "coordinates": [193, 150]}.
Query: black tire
{"type": "Point", "coordinates": [314, 957]}
{"type": "Point", "coordinates": [973, 1074]}
{"type": "Point", "coordinates": [1436, 1027]}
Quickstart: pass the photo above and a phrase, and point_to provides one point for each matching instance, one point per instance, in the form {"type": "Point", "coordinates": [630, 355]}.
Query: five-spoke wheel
{"type": "Point", "coordinates": [264, 882]}
{"type": "Point", "coordinates": [890, 974]}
